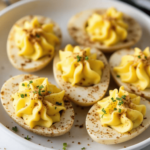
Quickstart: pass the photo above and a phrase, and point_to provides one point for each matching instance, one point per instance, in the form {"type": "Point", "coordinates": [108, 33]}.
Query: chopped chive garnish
{"type": "Point", "coordinates": [23, 84]}
{"type": "Point", "coordinates": [58, 103]}
{"type": "Point", "coordinates": [86, 58]}
{"type": "Point", "coordinates": [139, 56]}
{"type": "Point", "coordinates": [37, 35]}
{"type": "Point", "coordinates": [78, 58]}
{"type": "Point", "coordinates": [83, 148]}
{"type": "Point", "coordinates": [40, 87]}
{"type": "Point", "coordinates": [43, 91]}
{"type": "Point", "coordinates": [34, 92]}
{"type": "Point", "coordinates": [55, 107]}
{"type": "Point", "coordinates": [120, 103]}
{"type": "Point", "coordinates": [124, 96]}
{"type": "Point", "coordinates": [145, 57]}
{"type": "Point", "coordinates": [115, 108]}
{"type": "Point", "coordinates": [28, 85]}
{"type": "Point", "coordinates": [104, 112]}
{"type": "Point", "coordinates": [22, 95]}
{"type": "Point", "coordinates": [119, 110]}
{"type": "Point", "coordinates": [64, 146]}
{"type": "Point", "coordinates": [113, 99]}
{"type": "Point", "coordinates": [37, 86]}
{"type": "Point", "coordinates": [15, 128]}
{"type": "Point", "coordinates": [30, 82]}
{"type": "Point", "coordinates": [27, 138]}
{"type": "Point", "coordinates": [118, 98]}
{"type": "Point", "coordinates": [118, 76]}
{"type": "Point", "coordinates": [25, 95]}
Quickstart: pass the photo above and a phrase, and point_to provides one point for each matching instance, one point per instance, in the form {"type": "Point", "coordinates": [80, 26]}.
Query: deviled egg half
{"type": "Point", "coordinates": [131, 68]}
{"type": "Point", "coordinates": [37, 105]}
{"type": "Point", "coordinates": [32, 42]}
{"type": "Point", "coordinates": [104, 29]}
{"type": "Point", "coordinates": [83, 73]}
{"type": "Point", "coordinates": [118, 118]}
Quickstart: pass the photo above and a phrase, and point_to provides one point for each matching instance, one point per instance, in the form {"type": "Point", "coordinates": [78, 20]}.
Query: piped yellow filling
{"type": "Point", "coordinates": [135, 69]}
{"type": "Point", "coordinates": [121, 111]}
{"type": "Point", "coordinates": [79, 66]}
{"type": "Point", "coordinates": [38, 102]}
{"type": "Point", "coordinates": [108, 28]}
{"type": "Point", "coordinates": [35, 40]}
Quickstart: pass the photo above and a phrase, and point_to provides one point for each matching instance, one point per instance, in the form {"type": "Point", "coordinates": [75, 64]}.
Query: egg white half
{"type": "Point", "coordinates": [114, 61]}
{"type": "Point", "coordinates": [107, 135]}
{"type": "Point", "coordinates": [67, 117]}
{"type": "Point", "coordinates": [77, 24]}
{"type": "Point", "coordinates": [84, 96]}
{"type": "Point", "coordinates": [21, 62]}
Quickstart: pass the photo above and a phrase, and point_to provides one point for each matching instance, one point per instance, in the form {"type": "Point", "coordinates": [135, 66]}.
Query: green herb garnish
{"type": "Point", "coordinates": [83, 148]}
{"type": "Point", "coordinates": [118, 76]}
{"type": "Point", "coordinates": [58, 103]}
{"type": "Point", "coordinates": [118, 98]}
{"type": "Point", "coordinates": [28, 85]}
{"type": "Point", "coordinates": [121, 99]}
{"type": "Point", "coordinates": [37, 35]}
{"type": "Point", "coordinates": [115, 108]}
{"type": "Point", "coordinates": [34, 92]}
{"type": "Point", "coordinates": [120, 103]}
{"type": "Point", "coordinates": [49, 92]}
{"type": "Point", "coordinates": [15, 128]}
{"type": "Point", "coordinates": [25, 95]}
{"type": "Point", "coordinates": [145, 57]}
{"type": "Point", "coordinates": [119, 110]}
{"type": "Point", "coordinates": [124, 96]}
{"type": "Point", "coordinates": [27, 138]}
{"type": "Point", "coordinates": [30, 82]}
{"type": "Point", "coordinates": [22, 95]}
{"type": "Point", "coordinates": [64, 146]}
{"type": "Point", "coordinates": [139, 56]}
{"type": "Point", "coordinates": [104, 112]}
{"type": "Point", "coordinates": [55, 107]}
{"type": "Point", "coordinates": [78, 58]}
{"type": "Point", "coordinates": [43, 91]}
{"type": "Point", "coordinates": [40, 87]}
{"type": "Point", "coordinates": [113, 99]}
{"type": "Point", "coordinates": [86, 58]}
{"type": "Point", "coordinates": [23, 84]}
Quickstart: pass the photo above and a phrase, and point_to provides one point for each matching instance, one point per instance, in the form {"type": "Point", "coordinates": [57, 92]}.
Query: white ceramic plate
{"type": "Point", "coordinates": [61, 11]}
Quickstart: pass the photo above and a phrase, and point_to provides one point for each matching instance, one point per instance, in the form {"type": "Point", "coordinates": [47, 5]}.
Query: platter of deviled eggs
{"type": "Point", "coordinates": [75, 75]}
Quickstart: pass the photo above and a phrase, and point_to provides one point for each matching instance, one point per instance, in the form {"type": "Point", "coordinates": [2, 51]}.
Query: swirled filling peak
{"type": "Point", "coordinates": [135, 69]}
{"type": "Point", "coordinates": [108, 28]}
{"type": "Point", "coordinates": [35, 40]}
{"type": "Point", "coordinates": [38, 102]}
{"type": "Point", "coordinates": [121, 110]}
{"type": "Point", "coordinates": [80, 66]}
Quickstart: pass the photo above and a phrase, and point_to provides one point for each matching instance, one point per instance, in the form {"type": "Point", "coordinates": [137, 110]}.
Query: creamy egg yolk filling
{"type": "Point", "coordinates": [121, 111]}
{"type": "Point", "coordinates": [35, 40]}
{"type": "Point", "coordinates": [108, 28]}
{"type": "Point", "coordinates": [135, 69]}
{"type": "Point", "coordinates": [79, 66]}
{"type": "Point", "coordinates": [38, 102]}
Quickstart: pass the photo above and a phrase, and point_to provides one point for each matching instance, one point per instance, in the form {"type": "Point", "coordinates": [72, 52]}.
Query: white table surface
{"type": "Point", "coordinates": [7, 143]}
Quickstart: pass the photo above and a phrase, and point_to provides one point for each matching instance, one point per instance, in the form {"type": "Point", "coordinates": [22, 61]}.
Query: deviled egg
{"type": "Point", "coordinates": [37, 105]}
{"type": "Point", "coordinates": [104, 29]}
{"type": "Point", "coordinates": [131, 68]}
{"type": "Point", "coordinates": [118, 118]}
{"type": "Point", "coordinates": [32, 42]}
{"type": "Point", "coordinates": [83, 73]}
